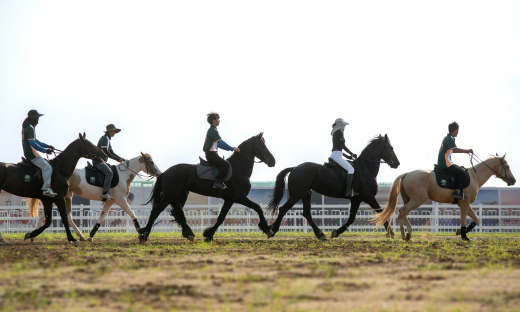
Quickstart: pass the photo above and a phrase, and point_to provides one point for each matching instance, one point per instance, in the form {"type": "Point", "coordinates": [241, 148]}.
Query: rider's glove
{"type": "Point", "coordinates": [48, 151]}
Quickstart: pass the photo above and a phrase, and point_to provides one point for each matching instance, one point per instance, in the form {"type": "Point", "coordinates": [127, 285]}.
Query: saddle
{"type": "Point", "coordinates": [29, 173]}
{"type": "Point", "coordinates": [208, 171]}
{"type": "Point", "coordinates": [97, 178]}
{"type": "Point", "coordinates": [340, 171]}
{"type": "Point", "coordinates": [446, 180]}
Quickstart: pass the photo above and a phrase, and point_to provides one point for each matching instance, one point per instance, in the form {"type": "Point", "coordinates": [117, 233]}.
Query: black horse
{"type": "Point", "coordinates": [63, 166]}
{"type": "Point", "coordinates": [307, 177]}
{"type": "Point", "coordinates": [172, 188]}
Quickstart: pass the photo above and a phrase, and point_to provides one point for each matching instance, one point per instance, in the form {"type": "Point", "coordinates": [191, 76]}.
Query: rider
{"type": "Point", "coordinates": [105, 145]}
{"type": "Point", "coordinates": [212, 143]}
{"type": "Point", "coordinates": [338, 144]}
{"type": "Point", "coordinates": [31, 146]}
{"type": "Point", "coordinates": [444, 160]}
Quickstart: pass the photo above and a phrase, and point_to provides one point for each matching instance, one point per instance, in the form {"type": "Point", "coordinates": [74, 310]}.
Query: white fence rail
{"type": "Point", "coordinates": [427, 218]}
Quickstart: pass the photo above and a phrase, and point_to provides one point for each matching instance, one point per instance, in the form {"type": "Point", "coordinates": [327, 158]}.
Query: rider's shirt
{"type": "Point", "coordinates": [105, 145]}
{"type": "Point", "coordinates": [29, 133]}
{"type": "Point", "coordinates": [338, 141]}
{"type": "Point", "coordinates": [447, 146]}
{"type": "Point", "coordinates": [211, 140]}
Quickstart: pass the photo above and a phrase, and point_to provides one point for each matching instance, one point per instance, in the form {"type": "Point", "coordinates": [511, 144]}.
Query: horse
{"type": "Point", "coordinates": [308, 176]}
{"type": "Point", "coordinates": [418, 186]}
{"type": "Point", "coordinates": [79, 186]}
{"type": "Point", "coordinates": [172, 188]}
{"type": "Point", "coordinates": [63, 166]}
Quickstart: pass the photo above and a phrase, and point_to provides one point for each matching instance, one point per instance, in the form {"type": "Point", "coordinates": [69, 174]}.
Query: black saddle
{"type": "Point", "coordinates": [446, 180]}
{"type": "Point", "coordinates": [340, 171]}
{"type": "Point", "coordinates": [97, 178]}
{"type": "Point", "coordinates": [29, 173]}
{"type": "Point", "coordinates": [208, 171]}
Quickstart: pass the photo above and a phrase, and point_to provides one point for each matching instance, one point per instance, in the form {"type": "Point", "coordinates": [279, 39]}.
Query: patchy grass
{"type": "Point", "coordinates": [247, 272]}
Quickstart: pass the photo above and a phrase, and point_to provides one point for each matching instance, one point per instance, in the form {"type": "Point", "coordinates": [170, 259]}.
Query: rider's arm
{"type": "Point", "coordinates": [223, 145]}
{"type": "Point", "coordinates": [110, 153]}
{"type": "Point", "coordinates": [36, 146]}
{"type": "Point", "coordinates": [460, 150]}
{"type": "Point", "coordinates": [41, 143]}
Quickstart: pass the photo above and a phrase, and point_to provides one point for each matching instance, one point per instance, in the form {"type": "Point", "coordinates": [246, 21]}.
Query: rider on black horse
{"type": "Point", "coordinates": [338, 145]}
{"type": "Point", "coordinates": [31, 146]}
{"type": "Point", "coordinates": [212, 143]}
{"type": "Point", "coordinates": [444, 160]}
{"type": "Point", "coordinates": [106, 146]}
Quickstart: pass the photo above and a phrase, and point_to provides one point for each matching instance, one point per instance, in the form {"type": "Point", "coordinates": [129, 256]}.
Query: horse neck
{"type": "Point", "coordinates": [134, 165]}
{"type": "Point", "coordinates": [240, 163]}
{"type": "Point", "coordinates": [66, 162]}
{"type": "Point", "coordinates": [484, 172]}
{"type": "Point", "coordinates": [371, 160]}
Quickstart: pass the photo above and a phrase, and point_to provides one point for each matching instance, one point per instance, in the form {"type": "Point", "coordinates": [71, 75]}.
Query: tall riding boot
{"type": "Point", "coordinates": [350, 191]}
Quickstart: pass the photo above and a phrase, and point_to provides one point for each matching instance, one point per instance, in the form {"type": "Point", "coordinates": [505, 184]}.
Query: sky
{"type": "Point", "coordinates": [285, 68]}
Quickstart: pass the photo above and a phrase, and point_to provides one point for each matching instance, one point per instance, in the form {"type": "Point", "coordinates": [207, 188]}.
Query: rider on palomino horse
{"type": "Point", "coordinates": [105, 145]}
{"type": "Point", "coordinates": [212, 143]}
{"type": "Point", "coordinates": [31, 147]}
{"type": "Point", "coordinates": [444, 160]}
{"type": "Point", "coordinates": [338, 145]}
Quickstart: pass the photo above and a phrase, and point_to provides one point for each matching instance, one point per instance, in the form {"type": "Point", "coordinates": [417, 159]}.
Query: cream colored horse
{"type": "Point", "coordinates": [418, 186]}
{"type": "Point", "coordinates": [79, 186]}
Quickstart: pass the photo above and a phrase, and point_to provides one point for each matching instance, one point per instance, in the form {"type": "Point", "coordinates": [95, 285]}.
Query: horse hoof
{"type": "Point", "coordinates": [90, 239]}
{"type": "Point", "coordinates": [322, 237]}
{"type": "Point", "coordinates": [191, 238]}
{"type": "Point", "coordinates": [82, 239]}
{"type": "Point", "coordinates": [143, 237]}
{"type": "Point", "coordinates": [32, 239]}
{"type": "Point", "coordinates": [75, 243]}
{"type": "Point", "coordinates": [270, 234]}
{"type": "Point", "coordinates": [466, 239]}
{"type": "Point", "coordinates": [208, 239]}
{"type": "Point", "coordinates": [408, 237]}
{"type": "Point", "coordinates": [334, 234]}
{"type": "Point", "coordinates": [27, 236]}
{"type": "Point", "coordinates": [458, 232]}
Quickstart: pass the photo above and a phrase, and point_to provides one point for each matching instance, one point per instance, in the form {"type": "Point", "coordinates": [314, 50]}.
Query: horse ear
{"type": "Point", "coordinates": [504, 157]}
{"type": "Point", "coordinates": [261, 134]}
{"type": "Point", "coordinates": [84, 135]}
{"type": "Point", "coordinates": [80, 137]}
{"type": "Point", "coordinates": [496, 154]}
{"type": "Point", "coordinates": [142, 153]}
{"type": "Point", "coordinates": [386, 137]}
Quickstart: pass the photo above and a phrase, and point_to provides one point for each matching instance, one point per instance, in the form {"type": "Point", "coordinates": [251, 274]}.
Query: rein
{"type": "Point", "coordinates": [499, 176]}
{"type": "Point", "coordinates": [136, 173]}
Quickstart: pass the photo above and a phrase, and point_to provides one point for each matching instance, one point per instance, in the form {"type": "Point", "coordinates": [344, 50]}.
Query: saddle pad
{"type": "Point", "coordinates": [30, 175]}
{"type": "Point", "coordinates": [210, 172]}
{"type": "Point", "coordinates": [341, 173]}
{"type": "Point", "coordinates": [447, 181]}
{"type": "Point", "coordinates": [97, 178]}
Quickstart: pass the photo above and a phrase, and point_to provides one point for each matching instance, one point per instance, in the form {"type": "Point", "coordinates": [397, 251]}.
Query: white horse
{"type": "Point", "coordinates": [79, 186]}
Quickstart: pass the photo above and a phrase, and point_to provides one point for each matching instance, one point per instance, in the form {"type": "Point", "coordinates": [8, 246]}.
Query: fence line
{"type": "Point", "coordinates": [434, 218]}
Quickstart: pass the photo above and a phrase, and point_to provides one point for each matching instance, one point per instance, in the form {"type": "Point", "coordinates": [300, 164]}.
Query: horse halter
{"type": "Point", "coordinates": [148, 169]}
{"type": "Point", "coordinates": [265, 160]}
{"type": "Point", "coordinates": [499, 176]}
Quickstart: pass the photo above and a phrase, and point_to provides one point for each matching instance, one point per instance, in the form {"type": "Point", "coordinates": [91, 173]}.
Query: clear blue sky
{"type": "Point", "coordinates": [285, 68]}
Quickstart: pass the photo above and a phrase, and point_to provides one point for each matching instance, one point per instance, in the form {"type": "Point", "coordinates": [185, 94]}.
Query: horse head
{"type": "Point", "coordinates": [262, 152]}
{"type": "Point", "coordinates": [148, 166]}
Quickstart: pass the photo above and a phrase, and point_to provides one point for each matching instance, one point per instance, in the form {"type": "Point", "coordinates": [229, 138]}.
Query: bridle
{"type": "Point", "coordinates": [390, 163]}
{"type": "Point", "coordinates": [148, 169]}
{"type": "Point", "coordinates": [90, 155]}
{"type": "Point", "coordinates": [498, 176]}
{"type": "Point", "coordinates": [265, 160]}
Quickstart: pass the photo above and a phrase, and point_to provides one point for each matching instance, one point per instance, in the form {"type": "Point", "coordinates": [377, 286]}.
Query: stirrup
{"type": "Point", "coordinates": [106, 196]}
{"type": "Point", "coordinates": [458, 195]}
{"type": "Point", "coordinates": [49, 192]}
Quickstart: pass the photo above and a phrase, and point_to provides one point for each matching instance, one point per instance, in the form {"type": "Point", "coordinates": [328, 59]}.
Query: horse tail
{"type": "Point", "coordinates": [389, 208]}
{"type": "Point", "coordinates": [156, 195]}
{"type": "Point", "coordinates": [34, 207]}
{"type": "Point", "coordinates": [279, 189]}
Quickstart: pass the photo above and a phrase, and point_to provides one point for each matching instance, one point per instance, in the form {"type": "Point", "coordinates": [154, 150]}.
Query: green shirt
{"type": "Point", "coordinates": [104, 142]}
{"type": "Point", "coordinates": [447, 146]}
{"type": "Point", "coordinates": [212, 137]}
{"type": "Point", "coordinates": [28, 133]}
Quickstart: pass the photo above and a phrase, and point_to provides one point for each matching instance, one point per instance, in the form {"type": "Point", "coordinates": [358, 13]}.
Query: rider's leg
{"type": "Point", "coordinates": [222, 165]}
{"type": "Point", "coordinates": [337, 156]}
{"type": "Point", "coordinates": [460, 176]}
{"type": "Point", "coordinates": [46, 174]}
{"type": "Point", "coordinates": [103, 167]}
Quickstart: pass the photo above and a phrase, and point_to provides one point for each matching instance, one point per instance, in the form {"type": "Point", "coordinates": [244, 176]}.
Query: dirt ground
{"type": "Point", "coordinates": [247, 272]}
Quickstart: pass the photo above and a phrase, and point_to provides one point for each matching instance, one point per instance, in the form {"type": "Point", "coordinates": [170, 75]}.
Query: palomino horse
{"type": "Point", "coordinates": [79, 186]}
{"type": "Point", "coordinates": [418, 186]}
{"type": "Point", "coordinates": [63, 166]}
{"type": "Point", "coordinates": [172, 188]}
{"type": "Point", "coordinates": [307, 177]}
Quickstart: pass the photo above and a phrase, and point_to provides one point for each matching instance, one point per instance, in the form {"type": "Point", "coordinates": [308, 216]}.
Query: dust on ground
{"type": "Point", "coordinates": [247, 272]}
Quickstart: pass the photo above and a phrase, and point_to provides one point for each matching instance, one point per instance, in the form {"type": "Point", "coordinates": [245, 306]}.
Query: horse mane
{"type": "Point", "coordinates": [65, 151]}
{"type": "Point", "coordinates": [371, 144]}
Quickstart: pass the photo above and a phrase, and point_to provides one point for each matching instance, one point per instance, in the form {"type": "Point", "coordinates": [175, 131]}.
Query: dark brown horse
{"type": "Point", "coordinates": [63, 166]}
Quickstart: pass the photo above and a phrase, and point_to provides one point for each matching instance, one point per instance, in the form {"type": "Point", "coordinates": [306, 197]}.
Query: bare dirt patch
{"type": "Point", "coordinates": [247, 272]}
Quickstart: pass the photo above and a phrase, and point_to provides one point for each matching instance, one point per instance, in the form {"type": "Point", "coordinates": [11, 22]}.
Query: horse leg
{"type": "Point", "coordinates": [377, 208]}
{"type": "Point", "coordinates": [126, 208]}
{"type": "Point", "coordinates": [40, 223]}
{"type": "Point", "coordinates": [473, 217]}
{"type": "Point", "coordinates": [351, 218]}
{"type": "Point", "coordinates": [60, 202]}
{"type": "Point", "coordinates": [180, 218]}
{"type": "Point", "coordinates": [281, 213]}
{"type": "Point", "coordinates": [403, 217]}
{"type": "Point", "coordinates": [3, 240]}
{"type": "Point", "coordinates": [154, 214]}
{"type": "Point", "coordinates": [47, 211]}
{"type": "Point", "coordinates": [104, 212]}
{"type": "Point", "coordinates": [68, 205]}
{"type": "Point", "coordinates": [262, 224]}
{"type": "Point", "coordinates": [464, 208]}
{"type": "Point", "coordinates": [306, 200]}
{"type": "Point", "coordinates": [210, 231]}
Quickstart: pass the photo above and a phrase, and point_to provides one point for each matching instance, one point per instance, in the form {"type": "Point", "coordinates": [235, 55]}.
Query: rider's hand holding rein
{"type": "Point", "coordinates": [236, 149]}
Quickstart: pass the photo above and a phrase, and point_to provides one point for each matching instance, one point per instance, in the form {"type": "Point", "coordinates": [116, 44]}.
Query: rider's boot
{"type": "Point", "coordinates": [350, 191]}
{"type": "Point", "coordinates": [49, 192]}
{"type": "Point", "coordinates": [218, 184]}
{"type": "Point", "coordinates": [458, 194]}
{"type": "Point", "coordinates": [106, 196]}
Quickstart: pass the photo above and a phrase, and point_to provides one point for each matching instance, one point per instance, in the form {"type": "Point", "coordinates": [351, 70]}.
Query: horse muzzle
{"type": "Point", "coordinates": [511, 181]}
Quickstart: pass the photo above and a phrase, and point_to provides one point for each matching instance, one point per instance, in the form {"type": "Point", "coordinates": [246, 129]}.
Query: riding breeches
{"type": "Point", "coordinates": [222, 165]}
{"type": "Point", "coordinates": [337, 156]}
{"type": "Point", "coordinates": [103, 167]}
{"type": "Point", "coordinates": [46, 171]}
{"type": "Point", "coordinates": [458, 172]}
